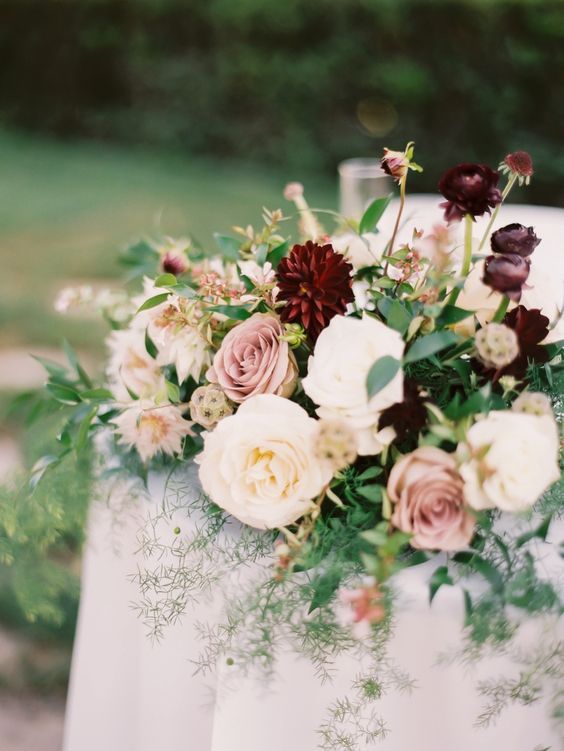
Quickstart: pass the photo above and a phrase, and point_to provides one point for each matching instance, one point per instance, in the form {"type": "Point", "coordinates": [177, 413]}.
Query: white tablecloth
{"type": "Point", "coordinates": [130, 694]}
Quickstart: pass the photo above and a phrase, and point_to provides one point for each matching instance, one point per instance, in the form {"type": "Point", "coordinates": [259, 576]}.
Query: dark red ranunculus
{"type": "Point", "coordinates": [315, 283]}
{"type": "Point", "coordinates": [469, 189]}
{"type": "Point", "coordinates": [408, 417]}
{"type": "Point", "coordinates": [507, 274]}
{"type": "Point", "coordinates": [514, 238]}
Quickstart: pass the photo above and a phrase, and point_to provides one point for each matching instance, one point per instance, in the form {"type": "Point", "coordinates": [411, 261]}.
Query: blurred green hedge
{"type": "Point", "coordinates": [300, 82]}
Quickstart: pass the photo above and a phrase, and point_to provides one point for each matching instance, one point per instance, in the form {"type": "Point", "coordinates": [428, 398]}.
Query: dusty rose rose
{"type": "Point", "coordinates": [254, 360]}
{"type": "Point", "coordinates": [427, 492]}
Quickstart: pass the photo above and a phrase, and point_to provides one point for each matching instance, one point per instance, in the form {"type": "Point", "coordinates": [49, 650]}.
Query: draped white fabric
{"type": "Point", "coordinates": [130, 694]}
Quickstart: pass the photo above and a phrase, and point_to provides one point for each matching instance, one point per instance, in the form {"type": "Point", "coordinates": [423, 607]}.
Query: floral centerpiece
{"type": "Point", "coordinates": [340, 394]}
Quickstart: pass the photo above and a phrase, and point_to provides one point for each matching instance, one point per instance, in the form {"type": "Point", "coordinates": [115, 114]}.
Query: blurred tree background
{"type": "Point", "coordinates": [303, 83]}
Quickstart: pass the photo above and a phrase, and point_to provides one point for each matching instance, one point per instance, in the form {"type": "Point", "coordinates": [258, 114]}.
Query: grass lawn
{"type": "Point", "coordinates": [66, 208]}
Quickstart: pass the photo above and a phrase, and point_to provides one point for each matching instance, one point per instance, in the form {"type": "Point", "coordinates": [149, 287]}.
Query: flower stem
{"type": "Point", "coordinates": [390, 248]}
{"type": "Point", "coordinates": [467, 259]}
{"type": "Point", "coordinates": [506, 191]}
{"type": "Point", "coordinates": [501, 311]}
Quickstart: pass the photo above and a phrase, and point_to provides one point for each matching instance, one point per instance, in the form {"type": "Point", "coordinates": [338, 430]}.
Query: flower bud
{"type": "Point", "coordinates": [336, 443]}
{"type": "Point", "coordinates": [209, 405]}
{"type": "Point", "coordinates": [507, 274]}
{"type": "Point", "coordinates": [533, 403]}
{"type": "Point", "coordinates": [497, 345]}
{"type": "Point", "coordinates": [395, 163]}
{"type": "Point", "coordinates": [514, 238]}
{"type": "Point", "coordinates": [174, 262]}
{"type": "Point", "coordinates": [294, 334]}
{"type": "Point", "coordinates": [293, 191]}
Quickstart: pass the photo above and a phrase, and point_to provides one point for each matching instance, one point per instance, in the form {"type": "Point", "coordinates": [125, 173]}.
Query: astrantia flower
{"type": "Point", "coordinates": [531, 327]}
{"type": "Point", "coordinates": [151, 429]}
{"type": "Point", "coordinates": [316, 284]}
{"type": "Point", "coordinates": [520, 164]}
{"type": "Point", "coordinates": [507, 273]}
{"type": "Point", "coordinates": [514, 238]}
{"type": "Point", "coordinates": [469, 189]}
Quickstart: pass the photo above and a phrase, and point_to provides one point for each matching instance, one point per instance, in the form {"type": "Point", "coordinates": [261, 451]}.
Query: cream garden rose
{"type": "Point", "coordinates": [260, 464]}
{"type": "Point", "coordinates": [509, 460]}
{"type": "Point", "coordinates": [336, 380]}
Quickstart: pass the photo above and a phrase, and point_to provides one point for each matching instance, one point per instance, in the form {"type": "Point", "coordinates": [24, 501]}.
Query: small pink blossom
{"type": "Point", "coordinates": [361, 608]}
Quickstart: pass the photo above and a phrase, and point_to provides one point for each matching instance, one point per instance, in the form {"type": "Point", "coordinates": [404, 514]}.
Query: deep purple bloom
{"type": "Point", "coordinates": [507, 274]}
{"type": "Point", "coordinates": [514, 238]}
{"type": "Point", "coordinates": [469, 189]}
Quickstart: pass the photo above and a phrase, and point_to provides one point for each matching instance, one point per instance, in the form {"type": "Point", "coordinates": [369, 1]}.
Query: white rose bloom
{"type": "Point", "coordinates": [152, 429]}
{"type": "Point", "coordinates": [130, 367]}
{"type": "Point", "coordinates": [510, 459]}
{"type": "Point", "coordinates": [260, 465]}
{"type": "Point", "coordinates": [336, 380]}
{"type": "Point", "coordinates": [360, 250]}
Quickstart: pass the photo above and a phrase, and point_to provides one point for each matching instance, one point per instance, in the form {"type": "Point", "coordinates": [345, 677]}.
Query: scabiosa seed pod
{"type": "Point", "coordinates": [497, 345]}
{"type": "Point", "coordinates": [514, 238]}
{"type": "Point", "coordinates": [469, 189]}
{"type": "Point", "coordinates": [533, 403]}
{"type": "Point", "coordinates": [519, 164]}
{"type": "Point", "coordinates": [336, 443]}
{"type": "Point", "coordinates": [209, 405]}
{"type": "Point", "coordinates": [507, 274]}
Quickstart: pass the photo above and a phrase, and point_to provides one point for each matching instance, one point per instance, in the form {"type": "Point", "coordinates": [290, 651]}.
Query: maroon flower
{"type": "Point", "coordinates": [315, 283]}
{"type": "Point", "coordinates": [507, 274]}
{"type": "Point", "coordinates": [407, 418]}
{"type": "Point", "coordinates": [520, 163]}
{"type": "Point", "coordinates": [514, 238]}
{"type": "Point", "coordinates": [174, 263]}
{"type": "Point", "coordinates": [531, 327]}
{"type": "Point", "coordinates": [469, 189]}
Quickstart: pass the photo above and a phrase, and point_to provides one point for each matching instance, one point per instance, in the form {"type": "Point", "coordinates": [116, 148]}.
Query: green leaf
{"type": "Point", "coordinates": [183, 290]}
{"type": "Point", "coordinates": [41, 466]}
{"type": "Point", "coordinates": [278, 253]}
{"type": "Point", "coordinates": [540, 532]}
{"type": "Point", "coordinates": [63, 394]}
{"type": "Point", "coordinates": [325, 587]}
{"type": "Point", "coordinates": [165, 280]}
{"type": "Point", "coordinates": [483, 567]}
{"type": "Point", "coordinates": [152, 302]}
{"type": "Point", "coordinates": [373, 214]}
{"type": "Point", "coordinates": [102, 395]}
{"type": "Point", "coordinates": [84, 427]}
{"type": "Point", "coordinates": [52, 367]}
{"type": "Point", "coordinates": [439, 577]}
{"type": "Point", "coordinates": [381, 373]}
{"type": "Point", "coordinates": [372, 493]}
{"type": "Point", "coordinates": [232, 311]}
{"type": "Point", "coordinates": [229, 246]}
{"type": "Point", "coordinates": [429, 345]}
{"type": "Point", "coordinates": [370, 473]}
{"type": "Point", "coordinates": [173, 392]}
{"type": "Point", "coordinates": [150, 345]}
{"type": "Point", "coordinates": [398, 318]}
{"type": "Point", "coordinates": [450, 315]}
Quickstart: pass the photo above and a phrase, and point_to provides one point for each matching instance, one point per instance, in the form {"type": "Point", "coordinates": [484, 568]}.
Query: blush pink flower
{"type": "Point", "coordinates": [253, 359]}
{"type": "Point", "coordinates": [427, 493]}
{"type": "Point", "coordinates": [360, 608]}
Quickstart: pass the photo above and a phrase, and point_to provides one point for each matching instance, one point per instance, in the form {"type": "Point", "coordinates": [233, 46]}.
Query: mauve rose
{"type": "Point", "coordinates": [253, 360]}
{"type": "Point", "coordinates": [514, 238]}
{"type": "Point", "coordinates": [427, 493]}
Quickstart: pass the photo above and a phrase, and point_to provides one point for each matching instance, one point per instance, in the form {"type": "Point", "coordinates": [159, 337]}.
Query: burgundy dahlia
{"type": "Point", "coordinates": [507, 274]}
{"type": "Point", "coordinates": [315, 283]}
{"type": "Point", "coordinates": [514, 238]}
{"type": "Point", "coordinates": [531, 327]}
{"type": "Point", "coordinates": [409, 417]}
{"type": "Point", "coordinates": [469, 189]}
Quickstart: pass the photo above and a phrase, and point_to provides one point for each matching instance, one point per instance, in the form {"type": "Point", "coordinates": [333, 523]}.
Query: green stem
{"type": "Point", "coordinates": [501, 311]}
{"type": "Point", "coordinates": [506, 191]}
{"type": "Point", "coordinates": [467, 259]}
{"type": "Point", "coordinates": [390, 247]}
